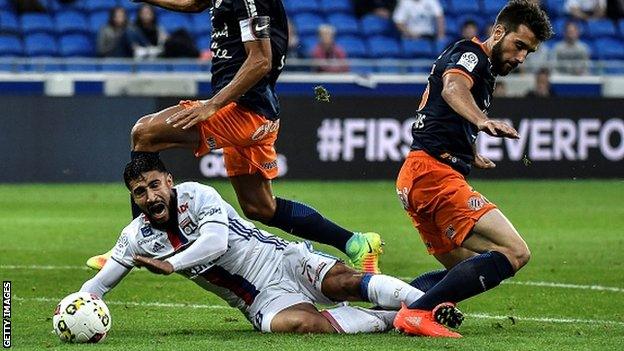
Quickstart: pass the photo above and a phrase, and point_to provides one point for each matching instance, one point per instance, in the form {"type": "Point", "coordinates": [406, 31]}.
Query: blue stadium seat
{"type": "Point", "coordinates": [345, 24]}
{"type": "Point", "coordinates": [97, 20]}
{"type": "Point", "coordinates": [481, 21]}
{"type": "Point", "coordinates": [559, 27]}
{"type": "Point", "coordinates": [601, 28]}
{"type": "Point", "coordinates": [6, 5]}
{"type": "Point", "coordinates": [173, 21]}
{"type": "Point", "coordinates": [555, 7]}
{"type": "Point", "coordinates": [40, 44]}
{"type": "Point", "coordinates": [307, 23]}
{"type": "Point", "coordinates": [375, 25]}
{"type": "Point", "coordinates": [465, 7]}
{"type": "Point", "coordinates": [441, 44]}
{"type": "Point", "coordinates": [384, 47]}
{"type": "Point", "coordinates": [354, 46]}
{"type": "Point", "coordinates": [419, 48]}
{"type": "Point", "coordinates": [68, 22]}
{"type": "Point", "coordinates": [298, 6]}
{"type": "Point", "coordinates": [308, 43]}
{"type": "Point", "coordinates": [10, 45]}
{"type": "Point", "coordinates": [100, 5]}
{"type": "Point", "coordinates": [9, 22]}
{"type": "Point", "coordinates": [609, 49]}
{"type": "Point", "coordinates": [336, 6]}
{"type": "Point", "coordinates": [453, 28]}
{"type": "Point", "coordinates": [201, 24]}
{"type": "Point", "coordinates": [492, 7]}
{"type": "Point", "coordinates": [37, 23]}
{"type": "Point", "coordinates": [203, 43]}
{"type": "Point", "coordinates": [76, 45]}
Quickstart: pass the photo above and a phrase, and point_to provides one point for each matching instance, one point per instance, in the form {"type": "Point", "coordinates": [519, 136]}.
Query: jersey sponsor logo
{"type": "Point", "coordinates": [149, 239]}
{"type": "Point", "coordinates": [146, 231]}
{"type": "Point", "coordinates": [209, 212]}
{"type": "Point", "coordinates": [158, 247]}
{"type": "Point", "coordinates": [122, 241]}
{"type": "Point", "coordinates": [468, 60]}
{"type": "Point", "coordinates": [269, 165]}
{"type": "Point", "coordinates": [183, 208]}
{"type": "Point", "coordinates": [265, 129]}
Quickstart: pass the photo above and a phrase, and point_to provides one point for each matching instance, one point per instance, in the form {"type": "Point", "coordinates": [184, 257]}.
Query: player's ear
{"type": "Point", "coordinates": [169, 179]}
{"type": "Point", "coordinates": [498, 32]}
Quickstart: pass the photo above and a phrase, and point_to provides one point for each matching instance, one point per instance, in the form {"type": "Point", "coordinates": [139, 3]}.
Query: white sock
{"type": "Point", "coordinates": [388, 292]}
{"type": "Point", "coordinates": [353, 320]}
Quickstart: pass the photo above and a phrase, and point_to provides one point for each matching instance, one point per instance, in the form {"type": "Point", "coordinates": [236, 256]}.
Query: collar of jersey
{"type": "Point", "coordinates": [481, 45]}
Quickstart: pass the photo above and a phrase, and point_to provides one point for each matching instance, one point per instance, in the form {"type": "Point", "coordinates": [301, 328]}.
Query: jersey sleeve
{"type": "Point", "coordinates": [209, 206]}
{"type": "Point", "coordinates": [124, 251]}
{"type": "Point", "coordinates": [254, 18]}
{"type": "Point", "coordinates": [468, 61]}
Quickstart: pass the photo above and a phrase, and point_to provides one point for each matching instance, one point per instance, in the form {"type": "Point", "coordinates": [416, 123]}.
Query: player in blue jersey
{"type": "Point", "coordinates": [249, 47]}
{"type": "Point", "coordinates": [476, 243]}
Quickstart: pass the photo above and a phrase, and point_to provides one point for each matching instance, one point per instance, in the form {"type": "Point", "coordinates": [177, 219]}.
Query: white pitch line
{"type": "Point", "coordinates": [222, 307]}
{"type": "Point", "coordinates": [510, 282]}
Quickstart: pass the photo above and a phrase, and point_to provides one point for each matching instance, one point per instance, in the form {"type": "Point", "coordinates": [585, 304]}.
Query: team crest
{"type": "Point", "coordinates": [475, 203]}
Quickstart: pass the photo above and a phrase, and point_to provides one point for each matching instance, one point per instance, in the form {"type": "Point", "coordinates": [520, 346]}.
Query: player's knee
{"type": "Point", "coordinates": [518, 256]}
{"type": "Point", "coordinates": [258, 212]}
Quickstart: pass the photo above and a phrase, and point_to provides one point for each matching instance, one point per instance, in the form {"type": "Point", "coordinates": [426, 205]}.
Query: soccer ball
{"type": "Point", "coordinates": [81, 317]}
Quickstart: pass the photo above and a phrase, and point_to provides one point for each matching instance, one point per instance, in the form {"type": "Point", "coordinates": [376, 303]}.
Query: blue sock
{"type": "Point", "coordinates": [426, 281]}
{"type": "Point", "coordinates": [467, 279]}
{"type": "Point", "coordinates": [305, 222]}
{"type": "Point", "coordinates": [136, 211]}
{"type": "Point", "coordinates": [366, 277]}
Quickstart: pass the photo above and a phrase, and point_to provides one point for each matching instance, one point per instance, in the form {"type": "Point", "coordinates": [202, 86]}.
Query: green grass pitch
{"type": "Point", "coordinates": [569, 297]}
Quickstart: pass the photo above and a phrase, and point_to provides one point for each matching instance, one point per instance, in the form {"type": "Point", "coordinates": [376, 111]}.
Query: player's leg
{"type": "Point", "coordinates": [251, 180]}
{"type": "Point", "coordinates": [301, 318]}
{"type": "Point", "coordinates": [449, 260]}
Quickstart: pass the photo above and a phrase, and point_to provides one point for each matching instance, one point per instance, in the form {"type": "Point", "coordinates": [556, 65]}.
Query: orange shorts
{"type": "Point", "coordinates": [441, 204]}
{"type": "Point", "coordinates": [246, 137]}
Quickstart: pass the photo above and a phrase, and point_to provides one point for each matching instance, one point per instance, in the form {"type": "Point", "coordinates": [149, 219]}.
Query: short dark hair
{"type": "Point", "coordinates": [519, 12]}
{"type": "Point", "coordinates": [142, 163]}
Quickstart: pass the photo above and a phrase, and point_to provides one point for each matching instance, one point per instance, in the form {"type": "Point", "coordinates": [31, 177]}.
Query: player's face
{"type": "Point", "coordinates": [512, 48]}
{"type": "Point", "coordinates": [152, 193]}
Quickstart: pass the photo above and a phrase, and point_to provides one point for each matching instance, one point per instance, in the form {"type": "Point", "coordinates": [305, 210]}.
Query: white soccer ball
{"type": "Point", "coordinates": [81, 317]}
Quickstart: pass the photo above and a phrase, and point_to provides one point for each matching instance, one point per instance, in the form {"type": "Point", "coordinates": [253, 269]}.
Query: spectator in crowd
{"type": "Point", "coordinates": [537, 60]}
{"type": "Point", "coordinates": [381, 8]}
{"type": "Point", "coordinates": [469, 30]}
{"type": "Point", "coordinates": [571, 55]}
{"type": "Point", "coordinates": [542, 88]}
{"type": "Point", "coordinates": [294, 51]}
{"type": "Point", "coordinates": [111, 38]}
{"type": "Point", "coordinates": [415, 19]}
{"type": "Point", "coordinates": [586, 9]}
{"type": "Point", "coordinates": [327, 49]}
{"type": "Point", "coordinates": [146, 37]}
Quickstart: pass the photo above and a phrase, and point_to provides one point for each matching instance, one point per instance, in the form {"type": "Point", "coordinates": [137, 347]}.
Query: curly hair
{"type": "Point", "coordinates": [141, 163]}
{"type": "Point", "coordinates": [524, 12]}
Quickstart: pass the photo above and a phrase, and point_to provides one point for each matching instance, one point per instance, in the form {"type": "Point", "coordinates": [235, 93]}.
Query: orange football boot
{"type": "Point", "coordinates": [423, 322]}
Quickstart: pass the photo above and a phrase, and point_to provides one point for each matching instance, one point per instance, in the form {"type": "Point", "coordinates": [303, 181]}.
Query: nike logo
{"type": "Point", "coordinates": [261, 28]}
{"type": "Point", "coordinates": [370, 249]}
{"type": "Point", "coordinates": [482, 280]}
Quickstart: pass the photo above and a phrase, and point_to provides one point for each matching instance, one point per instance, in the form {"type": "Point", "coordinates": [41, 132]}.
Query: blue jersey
{"type": "Point", "coordinates": [439, 130]}
{"type": "Point", "coordinates": [233, 23]}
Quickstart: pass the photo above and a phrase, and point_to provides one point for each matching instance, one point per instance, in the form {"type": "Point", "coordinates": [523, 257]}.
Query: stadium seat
{"type": "Point", "coordinates": [375, 25]}
{"type": "Point", "coordinates": [308, 43]}
{"type": "Point", "coordinates": [384, 47]}
{"type": "Point", "coordinates": [201, 24]}
{"type": "Point", "coordinates": [40, 44]}
{"type": "Point", "coordinates": [609, 49]}
{"type": "Point", "coordinates": [307, 23]}
{"type": "Point", "coordinates": [419, 48]}
{"type": "Point", "coordinates": [453, 28]}
{"type": "Point", "coordinates": [97, 20]}
{"type": "Point", "coordinates": [462, 7]}
{"type": "Point", "coordinates": [203, 43]}
{"type": "Point", "coordinates": [354, 46]}
{"type": "Point", "coordinates": [11, 45]}
{"type": "Point", "coordinates": [345, 24]}
{"type": "Point", "coordinates": [73, 45]}
{"type": "Point", "coordinates": [559, 27]}
{"type": "Point", "coordinates": [9, 22]}
{"type": "Point", "coordinates": [99, 5]}
{"type": "Point", "coordinates": [298, 6]}
{"type": "Point", "coordinates": [172, 21]}
{"type": "Point", "coordinates": [441, 44]}
{"type": "Point", "coordinates": [555, 7]}
{"type": "Point", "coordinates": [481, 21]}
{"type": "Point", "coordinates": [68, 22]}
{"type": "Point", "coordinates": [336, 6]}
{"type": "Point", "coordinates": [6, 5]}
{"type": "Point", "coordinates": [37, 23]}
{"type": "Point", "coordinates": [601, 29]}
{"type": "Point", "coordinates": [492, 7]}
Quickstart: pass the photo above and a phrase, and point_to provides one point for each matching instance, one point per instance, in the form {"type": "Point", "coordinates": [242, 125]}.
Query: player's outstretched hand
{"type": "Point", "coordinates": [154, 265]}
{"type": "Point", "coordinates": [483, 162]}
{"type": "Point", "coordinates": [191, 116]}
{"type": "Point", "coordinates": [498, 129]}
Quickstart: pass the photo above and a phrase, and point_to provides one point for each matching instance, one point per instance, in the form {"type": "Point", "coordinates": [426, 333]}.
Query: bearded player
{"type": "Point", "coordinates": [249, 47]}
{"type": "Point", "coordinates": [465, 232]}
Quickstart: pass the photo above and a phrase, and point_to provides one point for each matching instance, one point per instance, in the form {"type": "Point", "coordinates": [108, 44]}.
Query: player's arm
{"type": "Point", "coordinates": [106, 279]}
{"type": "Point", "coordinates": [456, 93]}
{"type": "Point", "coordinates": [255, 67]}
{"type": "Point", "coordinates": [179, 5]}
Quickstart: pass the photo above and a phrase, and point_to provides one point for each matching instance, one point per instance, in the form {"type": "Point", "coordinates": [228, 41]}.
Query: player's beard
{"type": "Point", "coordinates": [499, 65]}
